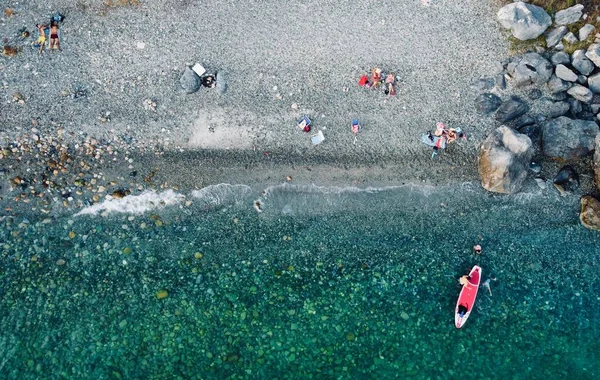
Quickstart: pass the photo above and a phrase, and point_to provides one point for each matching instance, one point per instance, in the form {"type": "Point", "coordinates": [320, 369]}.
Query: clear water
{"type": "Point", "coordinates": [325, 282]}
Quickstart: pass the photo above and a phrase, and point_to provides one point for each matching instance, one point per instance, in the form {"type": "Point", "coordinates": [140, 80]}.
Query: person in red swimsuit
{"type": "Point", "coordinates": [54, 42]}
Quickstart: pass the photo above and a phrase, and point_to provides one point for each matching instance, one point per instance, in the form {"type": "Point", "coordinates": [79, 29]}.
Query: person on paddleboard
{"type": "Point", "coordinates": [462, 310]}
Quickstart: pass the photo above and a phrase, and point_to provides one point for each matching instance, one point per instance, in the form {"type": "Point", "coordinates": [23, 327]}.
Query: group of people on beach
{"type": "Point", "coordinates": [376, 80]}
{"type": "Point", "coordinates": [49, 30]}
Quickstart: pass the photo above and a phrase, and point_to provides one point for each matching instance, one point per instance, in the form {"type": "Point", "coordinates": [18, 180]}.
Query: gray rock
{"type": "Point", "coordinates": [581, 93]}
{"type": "Point", "coordinates": [567, 138]}
{"type": "Point", "coordinates": [564, 73]}
{"type": "Point", "coordinates": [585, 31]}
{"type": "Point", "coordinates": [529, 69]}
{"type": "Point", "coordinates": [483, 84]}
{"type": "Point", "coordinates": [570, 38]}
{"type": "Point", "coordinates": [541, 183]}
{"type": "Point", "coordinates": [593, 53]}
{"type": "Point", "coordinates": [595, 108]}
{"type": "Point", "coordinates": [560, 95]}
{"type": "Point", "coordinates": [559, 46]}
{"type": "Point", "coordinates": [569, 15]}
{"type": "Point", "coordinates": [574, 106]}
{"type": "Point", "coordinates": [534, 132]}
{"type": "Point", "coordinates": [500, 81]}
{"type": "Point", "coordinates": [521, 121]}
{"type": "Point", "coordinates": [581, 63]}
{"type": "Point", "coordinates": [535, 94]}
{"type": "Point", "coordinates": [525, 21]}
{"type": "Point", "coordinates": [550, 108]}
{"type": "Point", "coordinates": [555, 35]}
{"type": "Point", "coordinates": [535, 167]}
{"type": "Point", "coordinates": [503, 160]}
{"type": "Point", "coordinates": [560, 57]}
{"type": "Point", "coordinates": [487, 103]}
{"type": "Point", "coordinates": [190, 81]}
{"type": "Point", "coordinates": [594, 83]}
{"type": "Point", "coordinates": [556, 85]}
{"type": "Point", "coordinates": [222, 82]}
{"type": "Point", "coordinates": [566, 180]}
{"type": "Point", "coordinates": [511, 109]}
{"type": "Point", "coordinates": [582, 80]}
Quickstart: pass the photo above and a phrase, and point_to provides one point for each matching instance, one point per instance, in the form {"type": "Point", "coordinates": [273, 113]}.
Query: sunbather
{"type": "Point", "coordinates": [390, 81]}
{"type": "Point", "coordinates": [375, 77]}
{"type": "Point", "coordinates": [54, 42]}
{"type": "Point", "coordinates": [42, 38]}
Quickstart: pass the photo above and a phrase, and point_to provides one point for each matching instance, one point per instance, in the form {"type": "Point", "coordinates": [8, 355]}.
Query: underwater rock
{"type": "Point", "coordinates": [567, 180]}
{"type": "Point", "coordinates": [590, 213]}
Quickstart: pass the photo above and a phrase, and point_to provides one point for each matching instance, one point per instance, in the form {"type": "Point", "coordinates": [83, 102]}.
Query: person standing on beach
{"type": "Point", "coordinates": [54, 42]}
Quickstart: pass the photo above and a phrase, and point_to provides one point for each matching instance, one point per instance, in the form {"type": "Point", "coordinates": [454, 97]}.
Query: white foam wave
{"type": "Point", "coordinates": [135, 204]}
{"type": "Point", "coordinates": [223, 194]}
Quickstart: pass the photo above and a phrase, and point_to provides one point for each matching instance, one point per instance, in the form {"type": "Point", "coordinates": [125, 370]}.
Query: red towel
{"type": "Point", "coordinates": [363, 80]}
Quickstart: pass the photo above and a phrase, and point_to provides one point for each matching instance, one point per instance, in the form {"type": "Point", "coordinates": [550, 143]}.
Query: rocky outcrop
{"type": "Point", "coordinates": [590, 213]}
{"type": "Point", "coordinates": [567, 138]}
{"type": "Point", "coordinates": [529, 69]}
{"type": "Point", "coordinates": [503, 162]}
{"type": "Point", "coordinates": [525, 21]}
{"type": "Point", "coordinates": [568, 16]}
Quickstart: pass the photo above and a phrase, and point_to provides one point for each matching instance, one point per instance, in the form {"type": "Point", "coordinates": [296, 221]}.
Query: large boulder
{"type": "Point", "coordinates": [190, 81]}
{"type": "Point", "coordinates": [581, 93]}
{"type": "Point", "coordinates": [504, 158]}
{"type": "Point", "coordinates": [567, 138]}
{"type": "Point", "coordinates": [594, 83]}
{"type": "Point", "coordinates": [525, 21]}
{"type": "Point", "coordinates": [487, 103]}
{"type": "Point", "coordinates": [511, 109]}
{"type": "Point", "coordinates": [529, 69]}
{"type": "Point", "coordinates": [569, 16]}
{"type": "Point", "coordinates": [581, 63]}
{"type": "Point", "coordinates": [597, 162]}
{"type": "Point", "coordinates": [593, 53]}
{"type": "Point", "coordinates": [590, 213]}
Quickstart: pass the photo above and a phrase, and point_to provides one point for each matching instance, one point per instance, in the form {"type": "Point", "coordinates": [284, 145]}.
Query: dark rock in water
{"type": "Point", "coordinates": [483, 84]}
{"type": "Point", "coordinates": [567, 180]}
{"type": "Point", "coordinates": [521, 121]}
{"type": "Point", "coordinates": [534, 94]}
{"type": "Point", "coordinates": [190, 81]}
{"type": "Point", "coordinates": [221, 82]}
{"type": "Point", "coordinates": [534, 132]}
{"type": "Point", "coordinates": [567, 138]}
{"type": "Point", "coordinates": [535, 167]}
{"type": "Point", "coordinates": [511, 109]}
{"type": "Point", "coordinates": [487, 103]}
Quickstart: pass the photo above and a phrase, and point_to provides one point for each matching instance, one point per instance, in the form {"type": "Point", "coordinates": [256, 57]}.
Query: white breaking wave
{"type": "Point", "coordinates": [223, 194]}
{"type": "Point", "coordinates": [135, 204]}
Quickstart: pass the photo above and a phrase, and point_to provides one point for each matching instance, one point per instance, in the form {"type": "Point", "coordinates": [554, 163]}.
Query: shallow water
{"type": "Point", "coordinates": [333, 282]}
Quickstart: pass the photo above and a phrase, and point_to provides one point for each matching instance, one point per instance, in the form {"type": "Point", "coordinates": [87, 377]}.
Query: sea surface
{"type": "Point", "coordinates": [323, 282]}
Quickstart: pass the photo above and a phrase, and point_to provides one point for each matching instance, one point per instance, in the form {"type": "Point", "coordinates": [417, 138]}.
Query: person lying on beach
{"type": "Point", "coordinates": [42, 38]}
{"type": "Point", "coordinates": [375, 77]}
{"type": "Point", "coordinates": [54, 42]}
{"type": "Point", "coordinates": [390, 81]}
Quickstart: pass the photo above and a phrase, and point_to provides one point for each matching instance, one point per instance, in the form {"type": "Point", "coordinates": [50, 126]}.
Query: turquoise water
{"type": "Point", "coordinates": [324, 283]}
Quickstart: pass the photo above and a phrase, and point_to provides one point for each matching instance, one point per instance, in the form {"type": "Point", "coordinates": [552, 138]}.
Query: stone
{"type": "Point", "coordinates": [594, 108]}
{"type": "Point", "coordinates": [593, 53]}
{"type": "Point", "coordinates": [557, 85]}
{"type": "Point", "coordinates": [567, 138]}
{"type": "Point", "coordinates": [590, 213]}
{"type": "Point", "coordinates": [574, 106]}
{"type": "Point", "coordinates": [568, 16]}
{"type": "Point", "coordinates": [570, 38]}
{"type": "Point", "coordinates": [596, 162]}
{"type": "Point", "coordinates": [500, 81]}
{"type": "Point", "coordinates": [581, 93]}
{"type": "Point", "coordinates": [534, 132]}
{"type": "Point", "coordinates": [521, 121]}
{"type": "Point", "coordinates": [555, 35]}
{"type": "Point", "coordinates": [529, 69]}
{"type": "Point", "coordinates": [487, 103]}
{"type": "Point", "coordinates": [535, 94]}
{"type": "Point", "coordinates": [582, 80]}
{"type": "Point", "coordinates": [525, 21]}
{"type": "Point", "coordinates": [561, 95]}
{"type": "Point", "coordinates": [566, 180]}
{"type": "Point", "coordinates": [535, 167]}
{"type": "Point", "coordinates": [551, 108]}
{"type": "Point", "coordinates": [190, 81]}
{"type": "Point", "coordinates": [503, 160]}
{"type": "Point", "coordinates": [560, 57]}
{"type": "Point", "coordinates": [483, 84]}
{"type": "Point", "coordinates": [585, 31]}
{"type": "Point", "coordinates": [564, 73]}
{"type": "Point", "coordinates": [581, 63]}
{"type": "Point", "coordinates": [594, 83]}
{"type": "Point", "coordinates": [511, 109]}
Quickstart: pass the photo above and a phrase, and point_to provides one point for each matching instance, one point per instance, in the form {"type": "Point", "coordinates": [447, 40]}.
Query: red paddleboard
{"type": "Point", "coordinates": [466, 299]}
